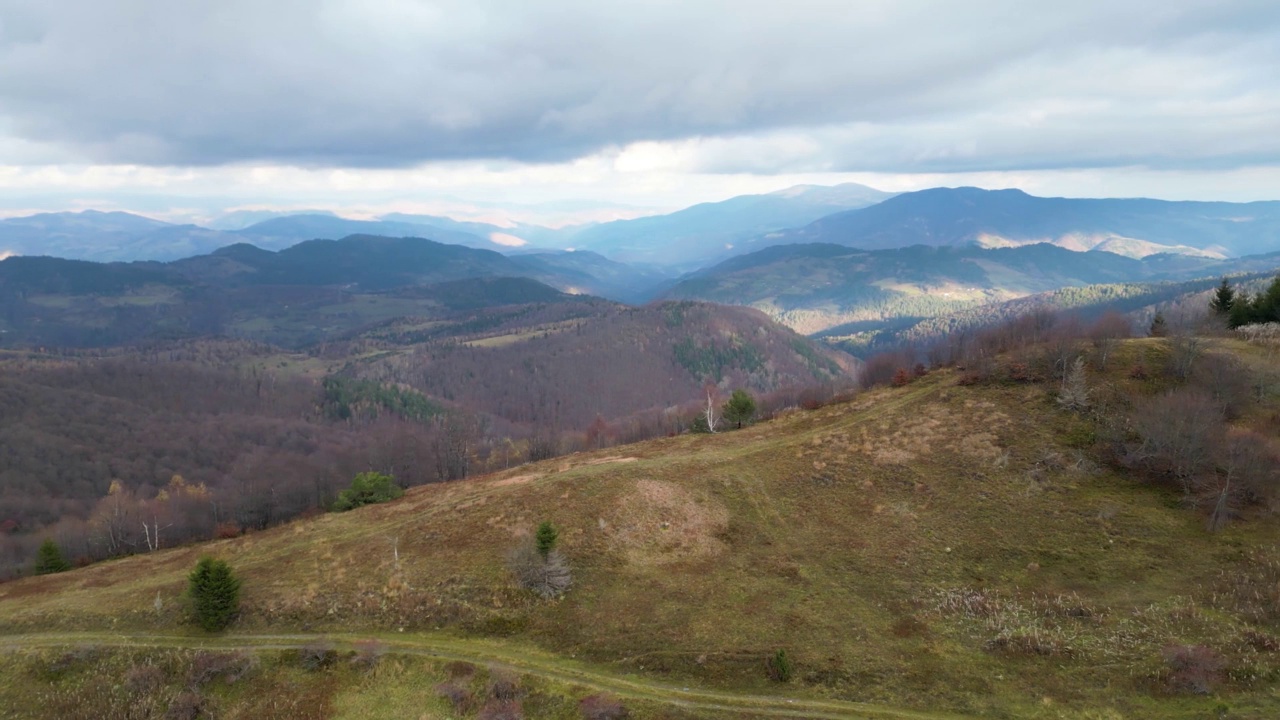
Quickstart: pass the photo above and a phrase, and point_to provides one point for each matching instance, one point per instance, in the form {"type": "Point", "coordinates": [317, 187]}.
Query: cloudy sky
{"type": "Point", "coordinates": [561, 109]}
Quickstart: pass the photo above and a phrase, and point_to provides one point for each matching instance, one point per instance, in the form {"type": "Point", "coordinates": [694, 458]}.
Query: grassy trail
{"type": "Point", "coordinates": [527, 661]}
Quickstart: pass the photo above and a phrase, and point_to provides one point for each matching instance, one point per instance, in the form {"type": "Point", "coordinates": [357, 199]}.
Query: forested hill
{"type": "Point", "coordinates": [994, 218]}
{"type": "Point", "coordinates": [304, 294]}
{"type": "Point", "coordinates": [814, 287]}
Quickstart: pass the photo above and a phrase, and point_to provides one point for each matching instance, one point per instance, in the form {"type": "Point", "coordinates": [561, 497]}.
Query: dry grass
{"type": "Point", "coordinates": [698, 557]}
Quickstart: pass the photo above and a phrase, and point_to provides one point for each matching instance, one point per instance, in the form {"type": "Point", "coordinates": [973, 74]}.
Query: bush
{"type": "Point", "coordinates": [368, 653]}
{"type": "Point", "coordinates": [368, 488]}
{"type": "Point", "coordinates": [602, 707]}
{"type": "Point", "coordinates": [901, 377]}
{"type": "Point", "coordinates": [317, 655]}
{"type": "Point", "coordinates": [215, 591]}
{"type": "Point", "coordinates": [209, 666]}
{"type": "Point", "coordinates": [143, 679]}
{"type": "Point", "coordinates": [547, 575]}
{"type": "Point", "coordinates": [1193, 668]}
{"type": "Point", "coordinates": [459, 696]}
{"type": "Point", "coordinates": [187, 705]}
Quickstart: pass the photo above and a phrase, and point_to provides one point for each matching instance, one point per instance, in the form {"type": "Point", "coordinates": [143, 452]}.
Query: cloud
{"type": "Point", "coordinates": [894, 86]}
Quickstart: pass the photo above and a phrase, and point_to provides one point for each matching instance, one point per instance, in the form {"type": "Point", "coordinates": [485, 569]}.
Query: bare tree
{"type": "Point", "coordinates": [1179, 431]}
{"type": "Point", "coordinates": [1106, 334]}
{"type": "Point", "coordinates": [709, 413]}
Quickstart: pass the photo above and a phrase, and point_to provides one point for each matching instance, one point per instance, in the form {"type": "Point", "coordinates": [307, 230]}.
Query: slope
{"type": "Point", "coordinates": [942, 547]}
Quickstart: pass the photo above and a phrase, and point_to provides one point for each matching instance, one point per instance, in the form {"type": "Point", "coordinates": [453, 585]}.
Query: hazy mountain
{"type": "Point", "coordinates": [813, 287]}
{"type": "Point", "coordinates": [293, 296]}
{"type": "Point", "coordinates": [283, 232]}
{"type": "Point", "coordinates": [696, 235]}
{"type": "Point", "coordinates": [593, 274]}
{"type": "Point", "coordinates": [104, 236]}
{"type": "Point", "coordinates": [1003, 218]}
{"type": "Point", "coordinates": [241, 219]}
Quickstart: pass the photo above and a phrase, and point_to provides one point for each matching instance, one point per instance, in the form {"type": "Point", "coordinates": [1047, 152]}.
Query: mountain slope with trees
{"type": "Point", "coordinates": [951, 217]}
{"type": "Point", "coordinates": [960, 545]}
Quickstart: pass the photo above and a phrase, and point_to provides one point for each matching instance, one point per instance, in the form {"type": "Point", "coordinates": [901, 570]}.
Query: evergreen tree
{"type": "Point", "coordinates": [49, 559]}
{"type": "Point", "coordinates": [1241, 311]}
{"type": "Point", "coordinates": [1267, 305]}
{"type": "Point", "coordinates": [1159, 328]}
{"type": "Point", "coordinates": [1223, 299]}
{"type": "Point", "coordinates": [366, 489]}
{"type": "Point", "coordinates": [740, 408]}
{"type": "Point", "coordinates": [546, 537]}
{"type": "Point", "coordinates": [215, 591]}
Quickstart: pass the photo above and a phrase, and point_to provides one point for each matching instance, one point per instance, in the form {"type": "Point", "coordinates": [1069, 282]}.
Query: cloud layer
{"type": "Point", "coordinates": [692, 86]}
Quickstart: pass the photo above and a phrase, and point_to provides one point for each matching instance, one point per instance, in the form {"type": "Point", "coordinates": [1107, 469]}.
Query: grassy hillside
{"type": "Point", "coordinates": [942, 548]}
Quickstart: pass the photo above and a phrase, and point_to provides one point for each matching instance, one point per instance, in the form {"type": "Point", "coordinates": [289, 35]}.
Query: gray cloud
{"type": "Point", "coordinates": [871, 86]}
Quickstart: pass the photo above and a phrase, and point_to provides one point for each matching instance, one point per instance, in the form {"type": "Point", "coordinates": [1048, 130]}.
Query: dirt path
{"type": "Point", "coordinates": [527, 661]}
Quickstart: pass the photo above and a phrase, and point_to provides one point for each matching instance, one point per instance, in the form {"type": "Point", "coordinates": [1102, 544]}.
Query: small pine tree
{"type": "Point", "coordinates": [780, 667]}
{"type": "Point", "coordinates": [1224, 298]}
{"type": "Point", "coordinates": [740, 408]}
{"type": "Point", "coordinates": [368, 488]}
{"type": "Point", "coordinates": [1159, 328]}
{"type": "Point", "coordinates": [49, 559]}
{"type": "Point", "coordinates": [215, 592]}
{"type": "Point", "coordinates": [546, 537]}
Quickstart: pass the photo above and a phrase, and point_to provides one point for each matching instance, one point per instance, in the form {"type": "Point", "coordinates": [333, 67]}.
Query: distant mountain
{"type": "Point", "coordinates": [104, 236]}
{"type": "Point", "coordinates": [123, 237]}
{"type": "Point", "coordinates": [241, 219]}
{"type": "Point", "coordinates": [1003, 218]}
{"type": "Point", "coordinates": [696, 235]}
{"type": "Point", "coordinates": [813, 287]}
{"type": "Point", "coordinates": [584, 272]}
{"type": "Point", "coordinates": [293, 296]}
{"type": "Point", "coordinates": [282, 232]}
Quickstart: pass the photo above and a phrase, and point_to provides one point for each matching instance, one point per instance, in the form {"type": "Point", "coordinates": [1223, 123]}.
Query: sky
{"type": "Point", "coordinates": [562, 111]}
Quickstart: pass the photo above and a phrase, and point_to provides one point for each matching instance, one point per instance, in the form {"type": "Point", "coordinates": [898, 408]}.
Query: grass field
{"type": "Point", "coordinates": [937, 548]}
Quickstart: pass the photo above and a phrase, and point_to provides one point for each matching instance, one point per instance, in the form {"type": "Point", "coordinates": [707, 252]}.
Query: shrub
{"type": "Point", "coordinates": [49, 559]}
{"type": "Point", "coordinates": [316, 655]}
{"type": "Point", "coordinates": [602, 707]}
{"type": "Point", "coordinates": [463, 702]}
{"type": "Point", "coordinates": [215, 591]}
{"type": "Point", "coordinates": [501, 710]}
{"type": "Point", "coordinates": [143, 679]}
{"type": "Point", "coordinates": [503, 685]}
{"type": "Point", "coordinates": [368, 488]}
{"type": "Point", "coordinates": [1193, 668]}
{"type": "Point", "coordinates": [547, 575]}
{"type": "Point", "coordinates": [779, 667]}
{"type": "Point", "coordinates": [368, 653]}
{"type": "Point", "coordinates": [187, 705]}
{"type": "Point", "coordinates": [901, 377]}
{"type": "Point", "coordinates": [209, 666]}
